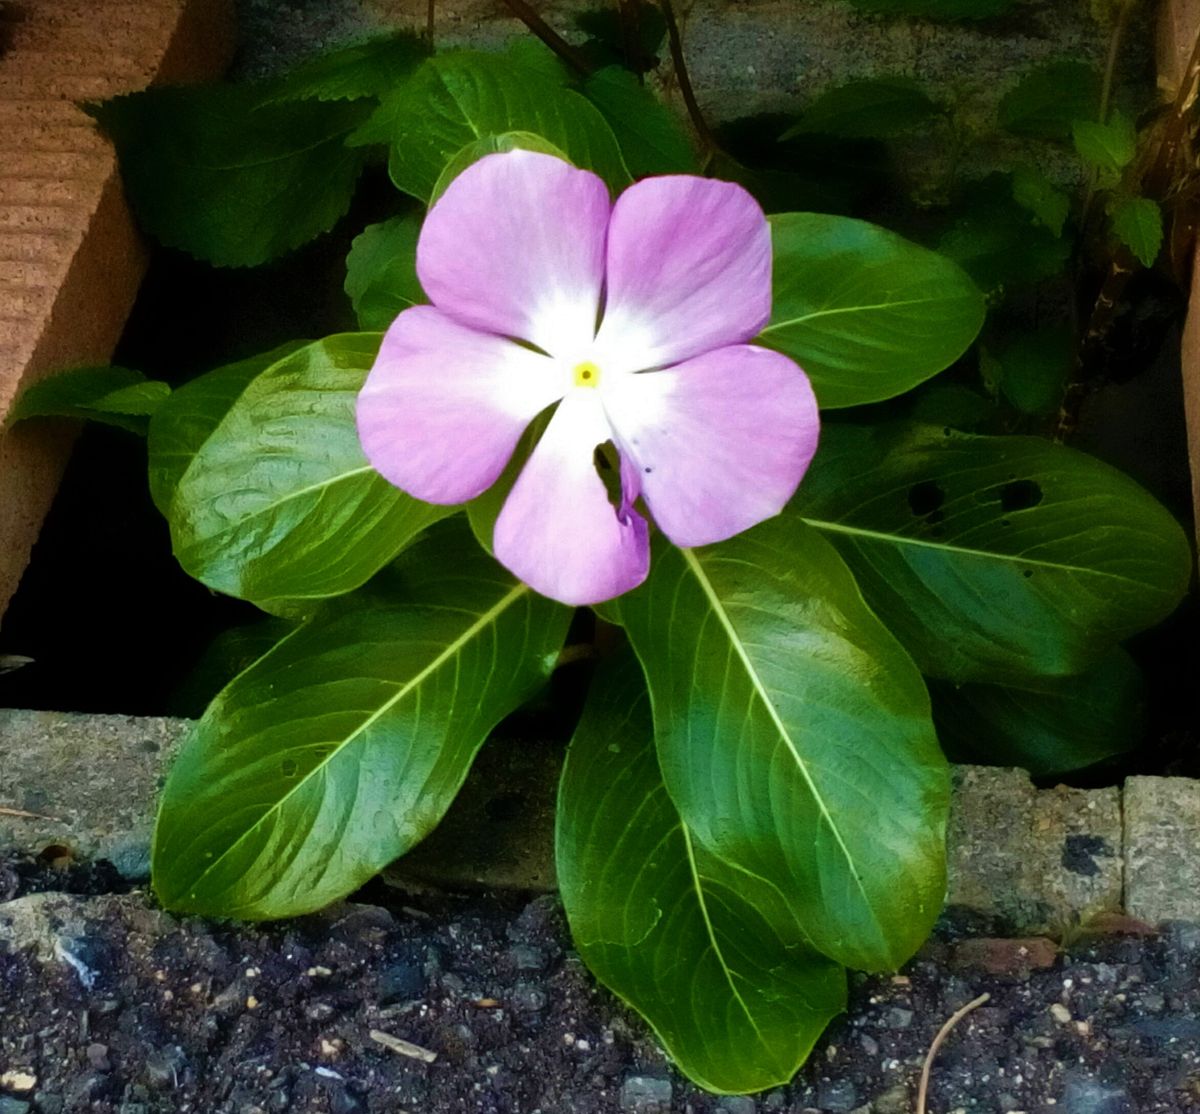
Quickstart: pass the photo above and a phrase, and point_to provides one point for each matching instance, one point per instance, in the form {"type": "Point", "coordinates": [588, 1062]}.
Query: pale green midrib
{"type": "Point", "coordinates": [990, 554]}
{"type": "Point", "coordinates": [712, 936]}
{"type": "Point", "coordinates": [760, 691]}
{"type": "Point", "coordinates": [791, 321]}
{"type": "Point", "coordinates": [451, 649]}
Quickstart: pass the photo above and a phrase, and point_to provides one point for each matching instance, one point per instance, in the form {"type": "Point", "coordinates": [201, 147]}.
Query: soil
{"type": "Point", "coordinates": [137, 1012]}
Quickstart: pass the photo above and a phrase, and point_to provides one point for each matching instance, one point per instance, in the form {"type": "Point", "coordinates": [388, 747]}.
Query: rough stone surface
{"type": "Point", "coordinates": [1036, 862]}
{"type": "Point", "coordinates": [70, 259]}
{"type": "Point", "coordinates": [1162, 848]}
{"type": "Point", "coordinates": [90, 783]}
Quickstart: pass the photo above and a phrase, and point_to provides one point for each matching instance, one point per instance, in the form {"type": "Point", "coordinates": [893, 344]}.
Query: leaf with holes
{"type": "Point", "coordinates": [866, 313]}
{"type": "Point", "coordinates": [994, 558]}
{"type": "Point", "coordinates": [681, 926]}
{"type": "Point", "coordinates": [344, 746]}
{"type": "Point", "coordinates": [1064, 724]}
{"type": "Point", "coordinates": [278, 502]}
{"type": "Point", "coordinates": [455, 99]}
{"type": "Point", "coordinates": [794, 735]}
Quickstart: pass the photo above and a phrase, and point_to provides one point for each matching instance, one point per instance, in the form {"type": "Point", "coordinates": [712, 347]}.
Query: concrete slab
{"type": "Point", "coordinates": [1162, 849]}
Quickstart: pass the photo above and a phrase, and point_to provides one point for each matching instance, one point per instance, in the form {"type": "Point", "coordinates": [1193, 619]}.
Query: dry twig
{"type": "Point", "coordinates": [27, 815]}
{"type": "Point", "coordinates": [405, 1048]}
{"type": "Point", "coordinates": [943, 1033]}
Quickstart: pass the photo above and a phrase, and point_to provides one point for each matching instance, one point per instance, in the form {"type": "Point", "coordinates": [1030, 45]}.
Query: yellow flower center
{"type": "Point", "coordinates": [587, 374]}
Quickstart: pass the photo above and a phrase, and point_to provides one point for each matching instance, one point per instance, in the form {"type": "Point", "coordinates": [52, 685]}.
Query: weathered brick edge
{"type": "Point", "coordinates": [70, 257]}
{"type": "Point", "coordinates": [1025, 861]}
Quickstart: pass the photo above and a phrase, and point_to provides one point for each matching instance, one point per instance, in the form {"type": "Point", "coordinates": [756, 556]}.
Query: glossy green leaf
{"type": "Point", "coordinates": [232, 179]}
{"type": "Point", "coordinates": [344, 746]}
{"type": "Point", "coordinates": [869, 108]}
{"type": "Point", "coordinates": [994, 558]}
{"type": "Point", "coordinates": [653, 139]}
{"type": "Point", "coordinates": [279, 503]}
{"type": "Point", "coordinates": [186, 420]}
{"type": "Point", "coordinates": [666, 925]}
{"type": "Point", "coordinates": [381, 271]}
{"type": "Point", "coordinates": [490, 145]}
{"type": "Point", "coordinates": [866, 313]}
{"type": "Point", "coordinates": [794, 735]}
{"type": "Point", "coordinates": [371, 68]}
{"type": "Point", "coordinates": [1108, 148]}
{"type": "Point", "coordinates": [115, 396]}
{"type": "Point", "coordinates": [1033, 191]}
{"type": "Point", "coordinates": [1068, 724]}
{"type": "Point", "coordinates": [454, 99]}
{"type": "Point", "coordinates": [1047, 100]}
{"type": "Point", "coordinates": [1137, 222]}
{"type": "Point", "coordinates": [1032, 370]}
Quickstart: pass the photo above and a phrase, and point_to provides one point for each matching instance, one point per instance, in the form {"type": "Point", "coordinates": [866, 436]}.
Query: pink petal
{"type": "Point", "coordinates": [515, 246]}
{"type": "Point", "coordinates": [721, 441]}
{"type": "Point", "coordinates": [557, 531]}
{"type": "Point", "coordinates": [444, 405]}
{"type": "Point", "coordinates": [689, 269]}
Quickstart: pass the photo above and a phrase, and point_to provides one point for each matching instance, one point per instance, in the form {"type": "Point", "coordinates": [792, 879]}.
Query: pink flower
{"type": "Point", "coordinates": [633, 317]}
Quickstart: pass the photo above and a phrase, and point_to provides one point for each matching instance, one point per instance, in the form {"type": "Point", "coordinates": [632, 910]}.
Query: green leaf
{"type": "Point", "coordinates": [227, 655]}
{"type": "Point", "coordinates": [490, 145]}
{"type": "Point", "coordinates": [233, 180]}
{"type": "Point", "coordinates": [996, 241]}
{"type": "Point", "coordinates": [1032, 190]}
{"type": "Point", "coordinates": [372, 68]}
{"type": "Point", "coordinates": [1050, 98]}
{"type": "Point", "coordinates": [652, 138]}
{"type": "Point", "coordinates": [344, 746]}
{"type": "Point", "coordinates": [664, 924]}
{"type": "Point", "coordinates": [114, 396]}
{"type": "Point", "coordinates": [866, 313]}
{"type": "Point", "coordinates": [869, 108]}
{"type": "Point", "coordinates": [454, 99]}
{"type": "Point", "coordinates": [381, 271]}
{"type": "Point", "coordinates": [1032, 371]}
{"type": "Point", "coordinates": [607, 36]}
{"type": "Point", "coordinates": [794, 735]}
{"type": "Point", "coordinates": [1071, 723]}
{"type": "Point", "coordinates": [279, 503]}
{"type": "Point", "coordinates": [1137, 223]}
{"type": "Point", "coordinates": [186, 420]}
{"type": "Point", "coordinates": [937, 9]}
{"type": "Point", "coordinates": [994, 558]}
{"type": "Point", "coordinates": [1107, 148]}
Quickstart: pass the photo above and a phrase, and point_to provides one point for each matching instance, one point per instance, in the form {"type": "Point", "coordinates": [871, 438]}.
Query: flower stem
{"type": "Point", "coordinates": [685, 82]}
{"type": "Point", "coordinates": [528, 16]}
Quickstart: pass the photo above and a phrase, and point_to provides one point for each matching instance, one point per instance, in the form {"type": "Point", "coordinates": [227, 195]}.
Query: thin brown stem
{"type": "Point", "coordinates": [528, 16]}
{"type": "Point", "coordinates": [943, 1033]}
{"type": "Point", "coordinates": [685, 82]}
{"type": "Point", "coordinates": [430, 12]}
{"type": "Point", "coordinates": [1114, 50]}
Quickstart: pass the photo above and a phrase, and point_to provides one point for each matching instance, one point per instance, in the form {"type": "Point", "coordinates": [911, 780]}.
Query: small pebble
{"type": "Point", "coordinates": [736, 1104]}
{"type": "Point", "coordinates": [839, 1096]}
{"type": "Point", "coordinates": [97, 1056]}
{"type": "Point", "coordinates": [646, 1094]}
{"type": "Point", "coordinates": [1060, 1013]}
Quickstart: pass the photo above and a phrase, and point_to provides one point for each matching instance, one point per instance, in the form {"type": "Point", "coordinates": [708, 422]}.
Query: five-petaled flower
{"type": "Point", "coordinates": [633, 317]}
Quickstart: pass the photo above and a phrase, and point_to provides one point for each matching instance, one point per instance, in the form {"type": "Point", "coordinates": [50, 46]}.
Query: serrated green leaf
{"type": "Point", "coordinates": [1107, 148]}
{"type": "Point", "coordinates": [1137, 223]}
{"type": "Point", "coordinates": [1070, 723]}
{"type": "Point", "coordinates": [937, 9]}
{"type": "Point", "coordinates": [1050, 98]}
{"type": "Point", "coordinates": [794, 735]}
{"type": "Point", "coordinates": [454, 99]}
{"type": "Point", "coordinates": [115, 396]}
{"type": "Point", "coordinates": [994, 559]}
{"type": "Point", "coordinates": [381, 271]}
{"type": "Point", "coordinates": [869, 108]}
{"type": "Point", "coordinates": [279, 503]}
{"type": "Point", "coordinates": [220, 173]}
{"type": "Point", "coordinates": [663, 923]}
{"type": "Point", "coordinates": [371, 68]}
{"type": "Point", "coordinates": [187, 419]}
{"type": "Point", "coordinates": [1032, 190]}
{"type": "Point", "coordinates": [652, 138]}
{"type": "Point", "coordinates": [1033, 369]}
{"type": "Point", "coordinates": [866, 313]}
{"type": "Point", "coordinates": [344, 746]}
{"type": "Point", "coordinates": [490, 145]}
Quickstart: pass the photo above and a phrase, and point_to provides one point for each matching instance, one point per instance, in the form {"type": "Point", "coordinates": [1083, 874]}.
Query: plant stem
{"type": "Point", "coordinates": [429, 16]}
{"type": "Point", "coordinates": [685, 82]}
{"type": "Point", "coordinates": [528, 16]}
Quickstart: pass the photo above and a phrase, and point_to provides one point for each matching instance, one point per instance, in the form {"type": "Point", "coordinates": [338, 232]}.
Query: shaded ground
{"type": "Point", "coordinates": [192, 1016]}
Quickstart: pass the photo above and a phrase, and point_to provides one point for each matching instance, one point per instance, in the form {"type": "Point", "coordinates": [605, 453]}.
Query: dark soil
{"type": "Point", "coordinates": [187, 1015]}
